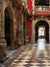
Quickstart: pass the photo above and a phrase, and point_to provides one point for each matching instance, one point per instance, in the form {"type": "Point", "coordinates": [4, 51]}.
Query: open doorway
{"type": "Point", "coordinates": [9, 32]}
{"type": "Point", "coordinates": [44, 28]}
{"type": "Point", "coordinates": [41, 32]}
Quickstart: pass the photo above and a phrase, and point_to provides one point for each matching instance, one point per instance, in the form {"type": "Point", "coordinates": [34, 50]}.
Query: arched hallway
{"type": "Point", "coordinates": [42, 23]}
{"type": "Point", "coordinates": [24, 33]}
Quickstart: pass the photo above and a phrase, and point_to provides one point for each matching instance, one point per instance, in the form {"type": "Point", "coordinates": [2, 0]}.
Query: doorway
{"type": "Point", "coordinates": [9, 33]}
{"type": "Point", "coordinates": [44, 27]}
{"type": "Point", "coordinates": [41, 32]}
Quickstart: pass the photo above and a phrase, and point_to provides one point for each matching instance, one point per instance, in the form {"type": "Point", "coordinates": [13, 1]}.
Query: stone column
{"type": "Point", "coordinates": [22, 29]}
{"type": "Point", "coordinates": [33, 6]}
{"type": "Point", "coordinates": [33, 31]}
{"type": "Point", "coordinates": [25, 22]}
{"type": "Point", "coordinates": [49, 5]}
{"type": "Point", "coordinates": [26, 36]}
{"type": "Point", "coordinates": [25, 27]}
{"type": "Point", "coordinates": [49, 34]}
{"type": "Point", "coordinates": [2, 40]}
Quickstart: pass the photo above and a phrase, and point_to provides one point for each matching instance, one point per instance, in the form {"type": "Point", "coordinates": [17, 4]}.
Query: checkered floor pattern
{"type": "Point", "coordinates": [31, 57]}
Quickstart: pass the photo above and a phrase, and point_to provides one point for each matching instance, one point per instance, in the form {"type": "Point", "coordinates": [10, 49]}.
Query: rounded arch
{"type": "Point", "coordinates": [11, 10]}
{"type": "Point", "coordinates": [44, 23]}
{"type": "Point", "coordinates": [9, 25]}
{"type": "Point", "coordinates": [8, 8]}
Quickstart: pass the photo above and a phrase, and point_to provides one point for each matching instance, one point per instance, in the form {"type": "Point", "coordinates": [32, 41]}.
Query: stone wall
{"type": "Point", "coordinates": [11, 10]}
{"type": "Point", "coordinates": [2, 40]}
{"type": "Point", "coordinates": [35, 19]}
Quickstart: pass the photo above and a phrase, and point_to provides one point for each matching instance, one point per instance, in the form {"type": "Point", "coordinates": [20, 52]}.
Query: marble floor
{"type": "Point", "coordinates": [32, 57]}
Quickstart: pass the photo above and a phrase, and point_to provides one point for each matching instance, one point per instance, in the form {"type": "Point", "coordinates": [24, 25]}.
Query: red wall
{"type": "Point", "coordinates": [42, 12]}
{"type": "Point", "coordinates": [29, 2]}
{"type": "Point", "coordinates": [29, 25]}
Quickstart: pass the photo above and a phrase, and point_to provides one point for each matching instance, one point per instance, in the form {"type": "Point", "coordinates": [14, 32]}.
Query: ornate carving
{"type": "Point", "coordinates": [2, 40]}
{"type": "Point", "coordinates": [0, 4]}
{"type": "Point", "coordinates": [7, 2]}
{"type": "Point", "coordinates": [41, 17]}
{"type": "Point", "coordinates": [0, 14]}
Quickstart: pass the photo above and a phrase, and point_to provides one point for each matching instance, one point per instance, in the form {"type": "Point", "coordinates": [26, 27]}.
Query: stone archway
{"type": "Point", "coordinates": [45, 24]}
{"type": "Point", "coordinates": [9, 26]}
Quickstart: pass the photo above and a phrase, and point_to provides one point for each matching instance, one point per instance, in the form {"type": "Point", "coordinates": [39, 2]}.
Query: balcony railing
{"type": "Point", "coordinates": [42, 8]}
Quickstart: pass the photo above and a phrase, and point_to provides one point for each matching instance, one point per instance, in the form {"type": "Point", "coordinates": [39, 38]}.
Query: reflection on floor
{"type": "Point", "coordinates": [31, 57]}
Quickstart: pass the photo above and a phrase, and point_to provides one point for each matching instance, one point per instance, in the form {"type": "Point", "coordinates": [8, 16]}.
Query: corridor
{"type": "Point", "coordinates": [31, 57]}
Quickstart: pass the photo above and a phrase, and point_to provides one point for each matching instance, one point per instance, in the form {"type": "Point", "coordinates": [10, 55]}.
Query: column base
{"type": "Point", "coordinates": [3, 50]}
{"type": "Point", "coordinates": [32, 40]}
{"type": "Point", "coordinates": [4, 59]}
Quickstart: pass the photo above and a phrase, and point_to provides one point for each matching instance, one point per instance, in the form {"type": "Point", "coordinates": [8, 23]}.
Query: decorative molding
{"type": "Point", "coordinates": [41, 17]}
{"type": "Point", "coordinates": [7, 3]}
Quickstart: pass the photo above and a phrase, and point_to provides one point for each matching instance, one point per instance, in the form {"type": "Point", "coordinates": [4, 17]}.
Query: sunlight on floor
{"type": "Point", "coordinates": [41, 44]}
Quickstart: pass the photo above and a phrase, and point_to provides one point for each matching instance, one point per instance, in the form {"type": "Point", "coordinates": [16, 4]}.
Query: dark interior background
{"type": "Point", "coordinates": [7, 27]}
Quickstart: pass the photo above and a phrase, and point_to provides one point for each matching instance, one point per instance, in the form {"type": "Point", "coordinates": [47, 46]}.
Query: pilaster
{"type": "Point", "coordinates": [2, 40]}
{"type": "Point", "coordinates": [33, 31]}
{"type": "Point", "coordinates": [49, 34]}
{"type": "Point", "coordinates": [33, 6]}
{"type": "Point", "coordinates": [22, 29]}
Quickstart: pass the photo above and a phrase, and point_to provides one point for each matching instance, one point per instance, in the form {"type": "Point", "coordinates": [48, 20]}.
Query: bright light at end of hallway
{"type": "Point", "coordinates": [41, 44]}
